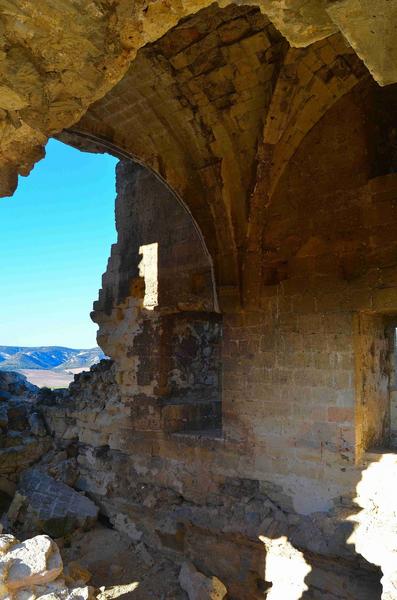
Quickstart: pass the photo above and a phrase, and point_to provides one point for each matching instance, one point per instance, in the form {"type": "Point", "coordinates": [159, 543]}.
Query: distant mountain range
{"type": "Point", "coordinates": [16, 358]}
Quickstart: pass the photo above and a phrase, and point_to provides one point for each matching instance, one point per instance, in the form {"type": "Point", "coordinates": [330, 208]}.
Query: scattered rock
{"type": "Point", "coordinates": [23, 435]}
{"type": "Point", "coordinates": [198, 586]}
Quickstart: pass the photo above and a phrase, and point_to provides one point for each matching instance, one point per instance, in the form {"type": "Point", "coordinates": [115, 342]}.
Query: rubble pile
{"type": "Point", "coordinates": [39, 472]}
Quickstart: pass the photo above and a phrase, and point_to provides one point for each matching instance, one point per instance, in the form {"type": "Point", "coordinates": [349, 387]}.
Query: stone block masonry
{"type": "Point", "coordinates": [287, 459]}
{"type": "Point", "coordinates": [246, 301]}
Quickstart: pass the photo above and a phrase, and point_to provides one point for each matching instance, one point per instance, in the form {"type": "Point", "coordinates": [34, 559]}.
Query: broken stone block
{"type": "Point", "coordinates": [33, 562]}
{"type": "Point", "coordinates": [198, 586]}
{"type": "Point", "coordinates": [53, 507]}
{"type": "Point", "coordinates": [20, 456]}
{"type": "Point", "coordinates": [67, 472]}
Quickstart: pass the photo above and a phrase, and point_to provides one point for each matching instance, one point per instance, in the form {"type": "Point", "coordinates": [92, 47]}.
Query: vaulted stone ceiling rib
{"type": "Point", "coordinates": [57, 58]}
{"type": "Point", "coordinates": [205, 103]}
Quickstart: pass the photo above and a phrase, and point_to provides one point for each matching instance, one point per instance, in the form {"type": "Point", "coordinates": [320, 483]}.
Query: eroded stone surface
{"type": "Point", "coordinates": [23, 436]}
{"type": "Point", "coordinates": [364, 23]}
{"type": "Point", "coordinates": [15, 384]}
{"type": "Point", "coordinates": [286, 159]}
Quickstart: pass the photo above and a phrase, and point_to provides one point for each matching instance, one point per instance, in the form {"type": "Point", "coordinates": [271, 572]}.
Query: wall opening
{"type": "Point", "coordinates": [148, 269]}
{"type": "Point", "coordinates": [157, 309]}
{"type": "Point", "coordinates": [56, 233]}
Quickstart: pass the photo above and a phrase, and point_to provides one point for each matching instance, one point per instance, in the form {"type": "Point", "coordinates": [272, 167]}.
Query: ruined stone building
{"type": "Point", "coordinates": [248, 419]}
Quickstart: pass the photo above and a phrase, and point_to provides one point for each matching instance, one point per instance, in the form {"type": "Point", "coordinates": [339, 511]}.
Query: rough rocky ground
{"type": "Point", "coordinates": [120, 569]}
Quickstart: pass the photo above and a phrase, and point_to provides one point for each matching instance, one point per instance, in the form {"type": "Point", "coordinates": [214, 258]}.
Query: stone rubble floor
{"type": "Point", "coordinates": [118, 568]}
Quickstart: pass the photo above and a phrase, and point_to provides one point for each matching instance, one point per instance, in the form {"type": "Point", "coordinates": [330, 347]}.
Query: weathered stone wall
{"type": "Point", "coordinates": [157, 309]}
{"type": "Point", "coordinates": [294, 424]}
{"type": "Point", "coordinates": [141, 482]}
{"type": "Point", "coordinates": [148, 214]}
{"type": "Point", "coordinates": [231, 432]}
{"type": "Point", "coordinates": [329, 242]}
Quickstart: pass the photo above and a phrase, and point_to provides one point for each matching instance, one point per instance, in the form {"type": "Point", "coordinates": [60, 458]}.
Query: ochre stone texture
{"type": "Point", "coordinates": [57, 59]}
{"type": "Point", "coordinates": [299, 372]}
{"type": "Point", "coordinates": [210, 101]}
{"type": "Point", "coordinates": [170, 350]}
{"type": "Point", "coordinates": [247, 304]}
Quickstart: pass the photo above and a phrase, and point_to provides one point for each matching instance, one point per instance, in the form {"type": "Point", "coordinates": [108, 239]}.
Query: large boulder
{"type": "Point", "coordinates": [32, 570]}
{"type": "Point", "coordinates": [198, 586]}
{"type": "Point", "coordinates": [33, 562]}
{"type": "Point", "coordinates": [51, 506]}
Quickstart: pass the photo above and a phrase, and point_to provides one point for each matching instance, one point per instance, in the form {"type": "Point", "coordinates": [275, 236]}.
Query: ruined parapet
{"type": "Point", "coordinates": [24, 438]}
{"type": "Point", "coordinates": [15, 384]}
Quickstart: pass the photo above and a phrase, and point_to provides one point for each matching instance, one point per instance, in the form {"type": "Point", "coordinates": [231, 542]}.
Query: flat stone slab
{"type": "Point", "coordinates": [56, 507]}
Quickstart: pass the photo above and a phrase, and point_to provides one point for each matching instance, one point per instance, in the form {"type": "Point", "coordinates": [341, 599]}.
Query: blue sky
{"type": "Point", "coordinates": [56, 233]}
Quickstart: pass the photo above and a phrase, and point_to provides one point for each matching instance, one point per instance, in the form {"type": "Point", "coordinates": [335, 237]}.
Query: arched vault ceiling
{"type": "Point", "coordinates": [57, 57]}
{"type": "Point", "coordinates": [204, 105]}
{"type": "Point", "coordinates": [192, 106]}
